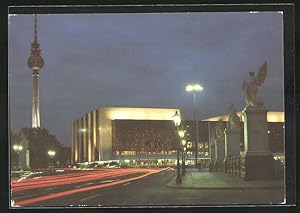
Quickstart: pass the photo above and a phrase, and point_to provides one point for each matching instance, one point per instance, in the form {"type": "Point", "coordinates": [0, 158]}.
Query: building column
{"type": "Point", "coordinates": [89, 136]}
{"type": "Point", "coordinates": [94, 137]}
{"type": "Point", "coordinates": [220, 153]}
{"type": "Point", "coordinates": [99, 127]}
{"type": "Point", "coordinates": [76, 142]}
{"type": "Point", "coordinates": [72, 142]}
{"type": "Point", "coordinates": [232, 143]}
{"type": "Point", "coordinates": [212, 155]}
{"type": "Point", "coordinates": [81, 141]}
{"type": "Point", "coordinates": [85, 142]}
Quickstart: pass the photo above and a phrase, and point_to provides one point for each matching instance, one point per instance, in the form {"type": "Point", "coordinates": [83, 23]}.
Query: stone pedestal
{"type": "Point", "coordinates": [232, 142]}
{"type": "Point", "coordinates": [212, 156]}
{"type": "Point", "coordinates": [24, 155]}
{"type": "Point", "coordinates": [220, 153]}
{"type": "Point", "coordinates": [258, 159]}
{"type": "Point", "coordinates": [24, 160]}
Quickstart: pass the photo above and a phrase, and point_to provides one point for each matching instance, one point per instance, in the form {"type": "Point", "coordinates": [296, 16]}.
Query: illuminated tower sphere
{"type": "Point", "coordinates": [35, 63]}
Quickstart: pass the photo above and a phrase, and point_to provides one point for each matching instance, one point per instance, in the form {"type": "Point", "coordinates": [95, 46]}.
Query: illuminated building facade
{"type": "Point", "coordinates": [92, 134]}
{"type": "Point", "coordinates": [139, 138]}
{"type": "Point", "coordinates": [148, 134]}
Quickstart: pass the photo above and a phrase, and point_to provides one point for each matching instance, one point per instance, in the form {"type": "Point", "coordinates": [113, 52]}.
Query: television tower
{"type": "Point", "coordinates": [35, 62]}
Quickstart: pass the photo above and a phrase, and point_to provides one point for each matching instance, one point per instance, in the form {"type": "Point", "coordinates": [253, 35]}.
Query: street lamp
{"type": "Point", "coordinates": [51, 154]}
{"type": "Point", "coordinates": [181, 133]}
{"type": "Point", "coordinates": [18, 148]}
{"type": "Point", "coordinates": [177, 121]}
{"type": "Point", "coordinates": [194, 88]}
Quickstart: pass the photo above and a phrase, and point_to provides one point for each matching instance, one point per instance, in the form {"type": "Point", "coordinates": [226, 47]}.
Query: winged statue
{"type": "Point", "coordinates": [250, 87]}
{"type": "Point", "coordinates": [219, 130]}
{"type": "Point", "coordinates": [234, 119]}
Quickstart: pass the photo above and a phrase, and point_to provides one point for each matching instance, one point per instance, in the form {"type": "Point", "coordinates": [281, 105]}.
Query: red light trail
{"type": "Point", "coordinates": [68, 179]}
{"type": "Point", "coordinates": [100, 174]}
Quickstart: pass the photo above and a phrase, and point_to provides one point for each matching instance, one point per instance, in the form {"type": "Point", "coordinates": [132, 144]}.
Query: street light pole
{"type": "Point", "coordinates": [51, 154]}
{"type": "Point", "coordinates": [183, 143]}
{"type": "Point", "coordinates": [197, 133]}
{"type": "Point", "coordinates": [177, 120]}
{"type": "Point", "coordinates": [178, 177]}
{"type": "Point", "coordinates": [195, 88]}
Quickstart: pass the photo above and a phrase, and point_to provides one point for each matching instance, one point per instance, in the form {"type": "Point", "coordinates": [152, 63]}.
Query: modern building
{"type": "Point", "coordinates": [93, 134]}
{"type": "Point", "coordinates": [140, 135]}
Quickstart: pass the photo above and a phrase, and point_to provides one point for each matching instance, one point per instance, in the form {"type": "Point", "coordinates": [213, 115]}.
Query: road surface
{"type": "Point", "coordinates": [119, 187]}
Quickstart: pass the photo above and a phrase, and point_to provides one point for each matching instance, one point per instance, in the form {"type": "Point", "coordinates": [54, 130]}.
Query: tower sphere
{"type": "Point", "coordinates": [35, 62]}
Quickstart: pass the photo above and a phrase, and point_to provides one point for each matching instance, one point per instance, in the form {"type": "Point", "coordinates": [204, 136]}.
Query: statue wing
{"type": "Point", "coordinates": [232, 109]}
{"type": "Point", "coordinates": [244, 86]}
{"type": "Point", "coordinates": [261, 74]}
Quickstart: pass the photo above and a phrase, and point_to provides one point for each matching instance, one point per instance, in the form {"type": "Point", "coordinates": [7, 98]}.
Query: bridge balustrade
{"type": "Point", "coordinates": [233, 166]}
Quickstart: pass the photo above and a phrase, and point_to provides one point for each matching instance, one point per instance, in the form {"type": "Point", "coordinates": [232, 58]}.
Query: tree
{"type": "Point", "coordinates": [40, 141]}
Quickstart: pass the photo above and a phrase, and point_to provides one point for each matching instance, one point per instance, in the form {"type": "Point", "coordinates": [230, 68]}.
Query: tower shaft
{"type": "Point", "coordinates": [35, 100]}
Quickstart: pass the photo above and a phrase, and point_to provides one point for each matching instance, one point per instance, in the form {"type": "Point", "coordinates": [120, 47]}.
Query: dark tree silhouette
{"type": "Point", "coordinates": [40, 141]}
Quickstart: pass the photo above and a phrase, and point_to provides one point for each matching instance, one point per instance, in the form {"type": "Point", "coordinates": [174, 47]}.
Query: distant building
{"type": "Point", "coordinates": [275, 129]}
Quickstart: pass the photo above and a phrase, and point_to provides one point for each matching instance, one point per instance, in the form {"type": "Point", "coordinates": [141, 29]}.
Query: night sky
{"type": "Point", "coordinates": [142, 60]}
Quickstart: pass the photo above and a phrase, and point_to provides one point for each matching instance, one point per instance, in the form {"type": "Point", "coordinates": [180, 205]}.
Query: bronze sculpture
{"type": "Point", "coordinates": [250, 87]}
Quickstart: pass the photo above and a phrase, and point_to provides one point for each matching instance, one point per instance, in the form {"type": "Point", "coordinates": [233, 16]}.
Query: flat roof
{"type": "Point", "coordinates": [271, 117]}
{"type": "Point", "coordinates": [126, 113]}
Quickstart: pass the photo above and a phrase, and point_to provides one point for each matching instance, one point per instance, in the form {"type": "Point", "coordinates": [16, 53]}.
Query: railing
{"type": "Point", "coordinates": [234, 166]}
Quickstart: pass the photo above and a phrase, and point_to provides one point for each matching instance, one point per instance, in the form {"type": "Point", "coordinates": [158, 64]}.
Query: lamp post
{"type": "Point", "coordinates": [194, 88]}
{"type": "Point", "coordinates": [51, 154]}
{"type": "Point", "coordinates": [181, 135]}
{"type": "Point", "coordinates": [183, 143]}
{"type": "Point", "coordinates": [177, 121]}
{"type": "Point", "coordinates": [18, 148]}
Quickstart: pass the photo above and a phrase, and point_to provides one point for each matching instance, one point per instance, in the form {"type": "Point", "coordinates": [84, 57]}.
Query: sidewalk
{"type": "Point", "coordinates": [194, 179]}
